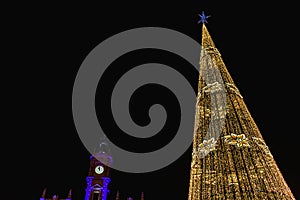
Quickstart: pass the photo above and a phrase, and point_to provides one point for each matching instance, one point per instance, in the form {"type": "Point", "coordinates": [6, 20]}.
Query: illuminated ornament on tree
{"type": "Point", "coordinates": [233, 88]}
{"type": "Point", "coordinates": [260, 142]}
{"type": "Point", "coordinates": [207, 146]}
{"type": "Point", "coordinates": [237, 140]}
{"type": "Point", "coordinates": [212, 87]}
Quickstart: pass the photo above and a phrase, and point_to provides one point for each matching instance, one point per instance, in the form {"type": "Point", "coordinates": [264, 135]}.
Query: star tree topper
{"type": "Point", "coordinates": [203, 18]}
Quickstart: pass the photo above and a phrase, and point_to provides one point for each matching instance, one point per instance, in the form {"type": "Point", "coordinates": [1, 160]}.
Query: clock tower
{"type": "Point", "coordinates": [98, 177]}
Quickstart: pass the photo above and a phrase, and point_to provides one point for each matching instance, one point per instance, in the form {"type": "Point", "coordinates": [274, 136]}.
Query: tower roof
{"type": "Point", "coordinates": [103, 153]}
{"type": "Point", "coordinates": [103, 146]}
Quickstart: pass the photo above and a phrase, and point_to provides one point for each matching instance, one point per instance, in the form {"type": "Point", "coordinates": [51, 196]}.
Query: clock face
{"type": "Point", "coordinates": [99, 169]}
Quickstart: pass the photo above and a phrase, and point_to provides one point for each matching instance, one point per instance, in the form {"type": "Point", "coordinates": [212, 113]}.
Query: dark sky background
{"type": "Point", "coordinates": [49, 41]}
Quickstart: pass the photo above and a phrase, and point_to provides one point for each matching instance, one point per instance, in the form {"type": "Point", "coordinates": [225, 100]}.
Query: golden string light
{"type": "Point", "coordinates": [238, 164]}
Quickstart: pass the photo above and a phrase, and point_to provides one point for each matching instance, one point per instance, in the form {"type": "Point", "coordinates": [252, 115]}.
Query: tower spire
{"type": "Point", "coordinates": [43, 197]}
{"type": "Point", "coordinates": [142, 196]}
{"type": "Point", "coordinates": [44, 193]}
{"type": "Point", "coordinates": [69, 195]}
{"type": "Point", "coordinates": [230, 158]}
{"type": "Point", "coordinates": [117, 196]}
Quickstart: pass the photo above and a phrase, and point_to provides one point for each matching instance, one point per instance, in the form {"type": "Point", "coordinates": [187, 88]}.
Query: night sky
{"type": "Point", "coordinates": [52, 40]}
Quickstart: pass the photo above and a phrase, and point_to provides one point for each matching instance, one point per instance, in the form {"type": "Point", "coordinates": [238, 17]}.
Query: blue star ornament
{"type": "Point", "coordinates": [203, 18]}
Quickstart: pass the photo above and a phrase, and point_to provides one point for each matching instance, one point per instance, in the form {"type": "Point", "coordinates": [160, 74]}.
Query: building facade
{"type": "Point", "coordinates": [97, 180]}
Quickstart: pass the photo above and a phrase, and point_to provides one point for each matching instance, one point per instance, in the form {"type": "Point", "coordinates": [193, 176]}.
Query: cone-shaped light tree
{"type": "Point", "coordinates": [230, 158]}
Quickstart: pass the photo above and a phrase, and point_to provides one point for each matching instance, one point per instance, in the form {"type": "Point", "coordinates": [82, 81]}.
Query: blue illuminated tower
{"type": "Point", "coordinates": [98, 177]}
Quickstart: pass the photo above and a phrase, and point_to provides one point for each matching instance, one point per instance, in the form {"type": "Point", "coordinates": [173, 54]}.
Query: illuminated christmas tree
{"type": "Point", "coordinates": [230, 158]}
